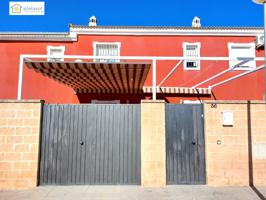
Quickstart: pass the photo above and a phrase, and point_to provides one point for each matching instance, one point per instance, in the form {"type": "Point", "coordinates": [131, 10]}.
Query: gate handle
{"type": "Point", "coordinates": [81, 143]}
{"type": "Point", "coordinates": [194, 143]}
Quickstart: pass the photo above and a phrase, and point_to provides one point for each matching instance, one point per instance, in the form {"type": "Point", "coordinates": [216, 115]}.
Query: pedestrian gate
{"type": "Point", "coordinates": [185, 154]}
{"type": "Point", "coordinates": [90, 144]}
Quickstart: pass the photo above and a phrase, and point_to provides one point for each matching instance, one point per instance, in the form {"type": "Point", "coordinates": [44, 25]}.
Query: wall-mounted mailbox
{"type": "Point", "coordinates": [227, 118]}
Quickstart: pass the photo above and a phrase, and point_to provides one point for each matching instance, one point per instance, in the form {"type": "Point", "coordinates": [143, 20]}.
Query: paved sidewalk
{"type": "Point", "coordinates": [132, 192]}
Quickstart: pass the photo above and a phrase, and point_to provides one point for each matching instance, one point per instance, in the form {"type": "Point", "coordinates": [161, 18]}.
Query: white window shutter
{"type": "Point", "coordinates": [191, 50]}
{"type": "Point", "coordinates": [57, 51]}
{"type": "Point", "coordinates": [107, 49]}
{"type": "Point", "coordinates": [242, 50]}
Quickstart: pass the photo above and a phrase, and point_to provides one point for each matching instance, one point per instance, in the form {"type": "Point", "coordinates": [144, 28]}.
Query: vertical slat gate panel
{"type": "Point", "coordinates": [75, 133]}
{"type": "Point", "coordinates": [133, 142]}
{"type": "Point", "coordinates": [83, 143]}
{"type": "Point", "coordinates": [185, 153]}
{"type": "Point", "coordinates": [102, 142]}
{"type": "Point", "coordinates": [90, 144]}
{"type": "Point", "coordinates": [121, 146]}
{"type": "Point", "coordinates": [105, 142]}
{"type": "Point", "coordinates": [43, 161]}
{"type": "Point", "coordinates": [71, 145]}
{"type": "Point", "coordinates": [65, 144]}
{"type": "Point", "coordinates": [57, 145]}
{"type": "Point", "coordinates": [138, 142]}
{"type": "Point", "coordinates": [125, 145]}
{"type": "Point", "coordinates": [98, 148]}
{"type": "Point", "coordinates": [201, 145]}
{"type": "Point", "coordinates": [52, 141]}
{"type": "Point", "coordinates": [130, 144]}
{"type": "Point", "coordinates": [116, 145]}
{"type": "Point", "coordinates": [112, 145]}
{"type": "Point", "coordinates": [78, 147]}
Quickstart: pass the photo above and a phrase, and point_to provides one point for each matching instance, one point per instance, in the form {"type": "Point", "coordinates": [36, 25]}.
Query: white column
{"type": "Point", "coordinates": [264, 5]}
{"type": "Point", "coordinates": [154, 87]}
{"type": "Point", "coordinates": [20, 77]}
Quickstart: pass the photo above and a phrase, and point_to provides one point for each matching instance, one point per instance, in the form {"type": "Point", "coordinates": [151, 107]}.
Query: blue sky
{"type": "Point", "coordinates": [59, 13]}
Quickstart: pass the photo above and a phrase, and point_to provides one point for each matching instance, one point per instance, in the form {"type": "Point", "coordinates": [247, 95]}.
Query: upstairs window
{"type": "Point", "coordinates": [191, 50]}
{"type": "Point", "coordinates": [106, 49]}
{"type": "Point", "coordinates": [240, 51]}
{"type": "Point", "coordinates": [57, 51]}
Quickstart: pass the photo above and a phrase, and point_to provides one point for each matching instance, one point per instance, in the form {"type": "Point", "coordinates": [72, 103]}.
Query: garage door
{"type": "Point", "coordinates": [90, 144]}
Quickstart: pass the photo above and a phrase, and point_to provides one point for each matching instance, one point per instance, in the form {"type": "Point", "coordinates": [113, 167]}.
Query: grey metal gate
{"type": "Point", "coordinates": [90, 144]}
{"type": "Point", "coordinates": [185, 153]}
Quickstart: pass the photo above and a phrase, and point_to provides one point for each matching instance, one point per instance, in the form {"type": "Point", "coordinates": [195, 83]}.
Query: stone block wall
{"type": "Point", "coordinates": [229, 161]}
{"type": "Point", "coordinates": [153, 152]}
{"type": "Point", "coordinates": [19, 143]}
{"type": "Point", "coordinates": [258, 133]}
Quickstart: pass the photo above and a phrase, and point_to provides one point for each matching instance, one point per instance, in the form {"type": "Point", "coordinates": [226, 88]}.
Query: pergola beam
{"type": "Point", "coordinates": [221, 73]}
{"type": "Point", "coordinates": [236, 77]}
{"type": "Point", "coordinates": [152, 59]}
{"type": "Point", "coordinates": [170, 73]}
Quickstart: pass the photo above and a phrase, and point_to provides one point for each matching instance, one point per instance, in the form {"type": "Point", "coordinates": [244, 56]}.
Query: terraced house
{"type": "Point", "coordinates": [81, 79]}
{"type": "Point", "coordinates": [133, 105]}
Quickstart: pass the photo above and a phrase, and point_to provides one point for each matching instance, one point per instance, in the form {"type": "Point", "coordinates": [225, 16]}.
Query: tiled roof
{"type": "Point", "coordinates": [36, 36]}
{"type": "Point", "coordinates": [166, 30]}
{"type": "Point", "coordinates": [128, 30]}
{"type": "Point", "coordinates": [168, 27]}
{"type": "Point", "coordinates": [34, 33]}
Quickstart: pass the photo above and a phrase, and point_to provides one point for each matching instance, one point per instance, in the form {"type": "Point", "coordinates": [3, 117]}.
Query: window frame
{"type": "Point", "coordinates": [106, 43]}
{"type": "Point", "coordinates": [185, 44]}
{"type": "Point", "coordinates": [251, 45]}
{"type": "Point", "coordinates": [51, 48]}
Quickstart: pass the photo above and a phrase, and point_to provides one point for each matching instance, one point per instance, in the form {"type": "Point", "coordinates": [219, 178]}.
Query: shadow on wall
{"type": "Point", "coordinates": [136, 98]}
{"type": "Point", "coordinates": [115, 98]}
{"type": "Point", "coordinates": [250, 158]}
